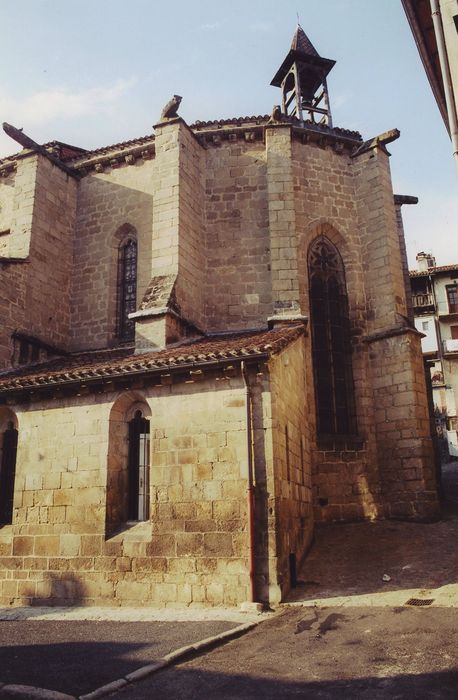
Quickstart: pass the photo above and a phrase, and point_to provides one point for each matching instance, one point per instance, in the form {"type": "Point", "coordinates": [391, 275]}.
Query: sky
{"type": "Point", "coordinates": [96, 72]}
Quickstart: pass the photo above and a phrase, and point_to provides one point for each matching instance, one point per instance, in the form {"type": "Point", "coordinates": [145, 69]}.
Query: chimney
{"type": "Point", "coordinates": [425, 261]}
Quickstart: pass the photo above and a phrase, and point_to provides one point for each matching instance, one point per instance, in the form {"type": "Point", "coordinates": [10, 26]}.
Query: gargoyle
{"type": "Point", "coordinates": [276, 115]}
{"type": "Point", "coordinates": [171, 108]}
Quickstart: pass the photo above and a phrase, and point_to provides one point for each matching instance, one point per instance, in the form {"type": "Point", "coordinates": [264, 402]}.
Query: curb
{"type": "Point", "coordinates": [27, 692]}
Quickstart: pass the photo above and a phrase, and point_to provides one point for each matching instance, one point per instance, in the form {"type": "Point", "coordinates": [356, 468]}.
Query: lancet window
{"type": "Point", "coordinates": [127, 288]}
{"type": "Point", "coordinates": [331, 348]}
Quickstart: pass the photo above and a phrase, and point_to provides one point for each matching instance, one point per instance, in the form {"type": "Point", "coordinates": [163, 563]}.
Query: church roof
{"type": "Point", "coordinates": [104, 365]}
{"type": "Point", "coordinates": [302, 43]}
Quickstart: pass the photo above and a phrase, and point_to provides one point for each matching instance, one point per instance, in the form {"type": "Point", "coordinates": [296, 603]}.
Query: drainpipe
{"type": "Point", "coordinates": [447, 80]}
{"type": "Point", "coordinates": [250, 482]}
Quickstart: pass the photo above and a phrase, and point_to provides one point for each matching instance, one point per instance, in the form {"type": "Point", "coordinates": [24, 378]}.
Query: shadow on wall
{"type": "Point", "coordinates": [54, 589]}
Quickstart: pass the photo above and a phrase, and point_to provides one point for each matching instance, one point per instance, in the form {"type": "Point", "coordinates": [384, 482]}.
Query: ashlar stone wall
{"type": "Point", "coordinates": [238, 282]}
{"type": "Point", "coordinates": [290, 520]}
{"type": "Point", "coordinates": [37, 253]}
{"type": "Point", "coordinates": [192, 550]}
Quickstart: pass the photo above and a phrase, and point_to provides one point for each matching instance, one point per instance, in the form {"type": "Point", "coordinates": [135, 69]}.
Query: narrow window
{"type": "Point", "coordinates": [331, 348]}
{"type": "Point", "coordinates": [138, 468]}
{"type": "Point", "coordinates": [302, 461]}
{"type": "Point", "coordinates": [127, 289]}
{"type": "Point", "coordinates": [452, 297]}
{"type": "Point", "coordinates": [7, 474]}
{"type": "Point", "coordinates": [23, 352]}
{"type": "Point", "coordinates": [288, 464]}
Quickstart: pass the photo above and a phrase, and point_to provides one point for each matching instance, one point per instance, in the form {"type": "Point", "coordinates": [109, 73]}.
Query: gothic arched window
{"type": "Point", "coordinates": [127, 288]}
{"type": "Point", "coordinates": [331, 348]}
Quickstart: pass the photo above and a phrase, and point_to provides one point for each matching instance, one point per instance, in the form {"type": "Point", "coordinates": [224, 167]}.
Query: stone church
{"type": "Point", "coordinates": [206, 347]}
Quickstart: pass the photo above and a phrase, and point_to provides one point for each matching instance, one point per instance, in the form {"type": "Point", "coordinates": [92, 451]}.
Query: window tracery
{"type": "Point", "coordinates": [331, 347]}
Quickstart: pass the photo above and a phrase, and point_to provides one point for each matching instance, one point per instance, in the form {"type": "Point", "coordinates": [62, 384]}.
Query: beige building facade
{"type": "Point", "coordinates": [206, 350]}
{"type": "Point", "coordinates": [435, 303]}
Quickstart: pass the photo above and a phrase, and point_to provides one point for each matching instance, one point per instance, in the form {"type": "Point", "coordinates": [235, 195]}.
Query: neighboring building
{"type": "Point", "coordinates": [435, 303]}
{"type": "Point", "coordinates": [206, 349]}
{"type": "Point", "coordinates": [434, 25]}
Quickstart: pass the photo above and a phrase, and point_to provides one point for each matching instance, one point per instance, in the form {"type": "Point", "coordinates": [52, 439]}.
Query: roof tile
{"type": "Point", "coordinates": [122, 361]}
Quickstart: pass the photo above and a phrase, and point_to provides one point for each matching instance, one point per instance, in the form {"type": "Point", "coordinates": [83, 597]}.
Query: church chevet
{"type": "Point", "coordinates": [206, 347]}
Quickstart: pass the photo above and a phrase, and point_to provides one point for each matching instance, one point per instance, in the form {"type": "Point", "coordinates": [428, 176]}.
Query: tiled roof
{"type": "Point", "coordinates": [118, 146]}
{"type": "Point", "coordinates": [107, 364]}
{"type": "Point", "coordinates": [302, 43]}
{"type": "Point", "coordinates": [264, 119]}
{"type": "Point", "coordinates": [433, 270]}
{"type": "Point", "coordinates": [76, 161]}
{"type": "Point", "coordinates": [232, 121]}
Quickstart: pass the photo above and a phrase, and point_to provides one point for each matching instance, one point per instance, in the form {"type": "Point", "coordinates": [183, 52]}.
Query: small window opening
{"type": "Point", "coordinates": [292, 570]}
{"type": "Point", "coordinates": [138, 468]}
{"type": "Point", "coordinates": [23, 352]}
{"type": "Point", "coordinates": [302, 461]}
{"type": "Point", "coordinates": [288, 464]}
{"type": "Point", "coordinates": [8, 473]}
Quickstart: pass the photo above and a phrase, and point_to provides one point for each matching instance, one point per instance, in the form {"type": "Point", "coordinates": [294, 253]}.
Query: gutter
{"type": "Point", "coordinates": [446, 77]}
{"type": "Point", "coordinates": [250, 481]}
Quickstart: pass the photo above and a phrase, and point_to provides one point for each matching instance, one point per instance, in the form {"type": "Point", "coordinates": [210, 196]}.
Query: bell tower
{"type": "Point", "coordinates": [302, 79]}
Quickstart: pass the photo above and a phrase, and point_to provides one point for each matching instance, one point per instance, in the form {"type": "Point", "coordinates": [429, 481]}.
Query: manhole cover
{"type": "Point", "coordinates": [420, 602]}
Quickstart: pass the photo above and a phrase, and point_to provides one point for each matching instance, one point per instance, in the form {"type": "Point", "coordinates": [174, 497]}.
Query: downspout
{"type": "Point", "coordinates": [447, 80]}
{"type": "Point", "coordinates": [250, 481]}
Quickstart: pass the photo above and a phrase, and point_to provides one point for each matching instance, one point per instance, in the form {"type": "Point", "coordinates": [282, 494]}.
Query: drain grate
{"type": "Point", "coordinates": [419, 602]}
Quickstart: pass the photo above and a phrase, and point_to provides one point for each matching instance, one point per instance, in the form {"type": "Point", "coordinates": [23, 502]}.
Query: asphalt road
{"type": "Point", "coordinates": [76, 657]}
{"type": "Point", "coordinates": [355, 653]}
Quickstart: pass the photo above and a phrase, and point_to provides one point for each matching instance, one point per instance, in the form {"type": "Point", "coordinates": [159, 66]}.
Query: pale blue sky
{"type": "Point", "coordinates": [95, 72]}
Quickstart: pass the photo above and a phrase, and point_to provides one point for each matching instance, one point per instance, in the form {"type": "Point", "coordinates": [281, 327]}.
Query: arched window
{"type": "Point", "coordinates": [8, 445]}
{"type": "Point", "coordinates": [128, 461]}
{"type": "Point", "coordinates": [127, 288]}
{"type": "Point", "coordinates": [331, 348]}
{"type": "Point", "coordinates": [138, 468]}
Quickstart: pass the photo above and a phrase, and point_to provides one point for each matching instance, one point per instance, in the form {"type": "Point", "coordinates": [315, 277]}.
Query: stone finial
{"type": "Point", "coordinates": [171, 108]}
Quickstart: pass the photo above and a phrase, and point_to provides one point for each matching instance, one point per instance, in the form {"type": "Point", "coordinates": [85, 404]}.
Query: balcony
{"type": "Point", "coordinates": [450, 345]}
{"type": "Point", "coordinates": [422, 300]}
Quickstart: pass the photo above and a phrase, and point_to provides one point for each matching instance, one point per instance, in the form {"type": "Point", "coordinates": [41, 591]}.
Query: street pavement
{"type": "Point", "coordinates": [323, 654]}
{"type": "Point", "coordinates": [352, 629]}
{"type": "Point", "coordinates": [78, 656]}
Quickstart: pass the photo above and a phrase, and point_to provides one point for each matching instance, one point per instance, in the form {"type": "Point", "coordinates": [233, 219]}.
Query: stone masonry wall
{"type": "Point", "coordinates": [346, 482]}
{"type": "Point", "coordinates": [192, 551]}
{"type": "Point", "coordinates": [401, 407]}
{"type": "Point", "coordinates": [409, 487]}
{"type": "Point", "coordinates": [191, 242]}
{"type": "Point", "coordinates": [290, 525]}
{"type": "Point", "coordinates": [107, 202]}
{"type": "Point", "coordinates": [36, 298]}
{"type": "Point", "coordinates": [238, 286]}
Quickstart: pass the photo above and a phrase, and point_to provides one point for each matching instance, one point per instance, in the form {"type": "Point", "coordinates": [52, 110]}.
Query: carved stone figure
{"type": "Point", "coordinates": [171, 108]}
